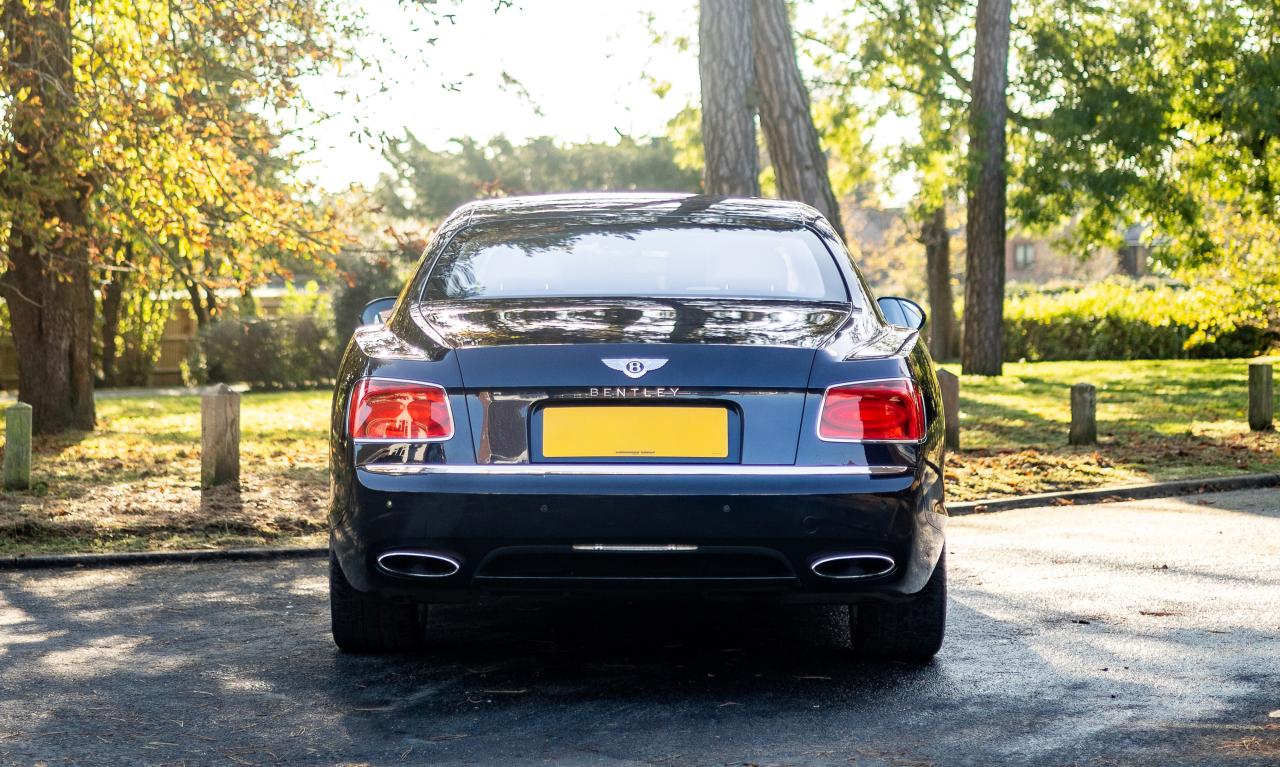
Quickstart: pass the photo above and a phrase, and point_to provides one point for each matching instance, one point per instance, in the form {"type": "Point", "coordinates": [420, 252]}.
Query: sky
{"type": "Point", "coordinates": [588, 68]}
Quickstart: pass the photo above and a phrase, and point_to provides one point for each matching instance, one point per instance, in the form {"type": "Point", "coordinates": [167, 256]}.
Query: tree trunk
{"type": "Point", "coordinates": [112, 300]}
{"type": "Point", "coordinates": [204, 304]}
{"type": "Point", "coordinates": [943, 328]}
{"type": "Point", "coordinates": [728, 116]}
{"type": "Point", "coordinates": [985, 229]}
{"type": "Point", "coordinates": [799, 163]}
{"type": "Point", "coordinates": [47, 284]}
{"type": "Point", "coordinates": [197, 306]}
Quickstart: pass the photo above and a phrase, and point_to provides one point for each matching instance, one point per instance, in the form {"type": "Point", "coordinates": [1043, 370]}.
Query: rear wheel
{"type": "Point", "coordinates": [910, 631]}
{"type": "Point", "coordinates": [364, 622]}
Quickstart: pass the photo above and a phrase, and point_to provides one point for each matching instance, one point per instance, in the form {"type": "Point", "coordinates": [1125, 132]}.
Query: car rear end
{"type": "Point", "coordinates": [523, 430]}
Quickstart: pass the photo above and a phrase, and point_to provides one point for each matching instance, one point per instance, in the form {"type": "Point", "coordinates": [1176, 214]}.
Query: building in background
{"type": "Point", "coordinates": [891, 255]}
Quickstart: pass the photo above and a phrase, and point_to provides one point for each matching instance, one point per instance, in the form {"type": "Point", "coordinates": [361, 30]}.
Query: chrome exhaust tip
{"type": "Point", "coordinates": [418, 564]}
{"type": "Point", "coordinates": [853, 566]}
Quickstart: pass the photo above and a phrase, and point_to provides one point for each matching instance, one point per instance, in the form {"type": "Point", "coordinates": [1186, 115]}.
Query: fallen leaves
{"type": "Point", "coordinates": [134, 483]}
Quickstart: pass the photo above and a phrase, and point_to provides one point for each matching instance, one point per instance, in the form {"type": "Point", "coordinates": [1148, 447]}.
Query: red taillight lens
{"type": "Point", "coordinates": [399, 410]}
{"type": "Point", "coordinates": [878, 410]}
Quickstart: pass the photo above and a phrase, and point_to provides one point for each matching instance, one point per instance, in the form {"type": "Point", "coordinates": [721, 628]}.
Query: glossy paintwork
{"type": "Point", "coordinates": [468, 516]}
{"type": "Point", "coordinates": [637, 207]}
{"type": "Point", "coordinates": [765, 423]}
{"type": "Point", "coordinates": [770, 361]}
{"type": "Point", "coordinates": [688, 366]}
{"type": "Point", "coordinates": [489, 323]}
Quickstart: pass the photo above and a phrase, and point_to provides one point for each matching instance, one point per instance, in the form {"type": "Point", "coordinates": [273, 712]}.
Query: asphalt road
{"type": "Point", "coordinates": [1142, 633]}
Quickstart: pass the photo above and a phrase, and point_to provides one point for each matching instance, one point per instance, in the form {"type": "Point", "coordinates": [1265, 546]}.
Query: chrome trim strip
{"type": "Point", "coordinates": [635, 547]}
{"type": "Point", "coordinates": [631, 470]}
{"type": "Point", "coordinates": [841, 557]}
{"type": "Point", "coordinates": [716, 579]}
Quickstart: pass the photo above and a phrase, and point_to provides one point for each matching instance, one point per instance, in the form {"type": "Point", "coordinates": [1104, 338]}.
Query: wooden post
{"type": "Point", "coordinates": [1261, 398]}
{"type": "Point", "coordinates": [950, 384]}
{"type": "Point", "coordinates": [17, 447]}
{"type": "Point", "coordinates": [1084, 415]}
{"type": "Point", "coordinates": [219, 436]}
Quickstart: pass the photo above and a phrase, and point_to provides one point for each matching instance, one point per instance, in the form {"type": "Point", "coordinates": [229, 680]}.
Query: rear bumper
{"type": "Point", "coordinates": [753, 533]}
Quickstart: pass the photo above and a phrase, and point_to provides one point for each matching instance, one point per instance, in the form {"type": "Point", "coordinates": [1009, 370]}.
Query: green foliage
{"type": "Point", "coordinates": [143, 317]}
{"type": "Point", "coordinates": [427, 184]}
{"type": "Point", "coordinates": [162, 137]}
{"type": "Point", "coordinates": [297, 347]}
{"type": "Point", "coordinates": [365, 280]}
{"type": "Point", "coordinates": [1162, 111]}
{"type": "Point", "coordinates": [684, 131]}
{"type": "Point", "coordinates": [904, 58]}
{"type": "Point", "coordinates": [1122, 320]}
{"type": "Point", "coordinates": [308, 301]}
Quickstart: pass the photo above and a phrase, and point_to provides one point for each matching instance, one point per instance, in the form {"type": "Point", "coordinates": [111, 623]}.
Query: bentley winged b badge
{"type": "Point", "coordinates": [634, 368]}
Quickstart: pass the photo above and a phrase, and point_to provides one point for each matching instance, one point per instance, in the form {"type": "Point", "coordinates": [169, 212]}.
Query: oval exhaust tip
{"type": "Point", "coordinates": [418, 564]}
{"type": "Point", "coordinates": [853, 566]}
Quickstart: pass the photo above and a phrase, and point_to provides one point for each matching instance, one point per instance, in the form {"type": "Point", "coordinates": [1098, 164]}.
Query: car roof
{"type": "Point", "coordinates": [636, 206]}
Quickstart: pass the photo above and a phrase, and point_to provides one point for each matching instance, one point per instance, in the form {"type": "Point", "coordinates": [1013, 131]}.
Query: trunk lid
{"type": "Point", "coordinates": [751, 357]}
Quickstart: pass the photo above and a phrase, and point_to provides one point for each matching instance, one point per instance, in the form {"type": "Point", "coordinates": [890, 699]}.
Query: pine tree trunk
{"type": "Point", "coordinates": [985, 229]}
{"type": "Point", "coordinates": [943, 340]}
{"type": "Point", "coordinates": [799, 163]}
{"type": "Point", "coordinates": [47, 285]}
{"type": "Point", "coordinates": [728, 116]}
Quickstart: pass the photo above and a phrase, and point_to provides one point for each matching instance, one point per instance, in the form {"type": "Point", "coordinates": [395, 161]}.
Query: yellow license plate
{"type": "Point", "coordinates": [614, 431]}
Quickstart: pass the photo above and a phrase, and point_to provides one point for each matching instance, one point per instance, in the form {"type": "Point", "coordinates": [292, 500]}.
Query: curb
{"type": "Point", "coordinates": [1117, 493]}
{"type": "Point", "coordinates": [186, 556]}
{"type": "Point", "coordinates": [1068, 498]}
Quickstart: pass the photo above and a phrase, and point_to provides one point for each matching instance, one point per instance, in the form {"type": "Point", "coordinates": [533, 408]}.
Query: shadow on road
{"type": "Point", "coordinates": [1069, 642]}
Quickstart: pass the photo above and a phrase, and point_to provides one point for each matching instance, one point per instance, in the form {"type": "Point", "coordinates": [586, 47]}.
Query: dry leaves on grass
{"type": "Point", "coordinates": [972, 476]}
{"type": "Point", "coordinates": [978, 474]}
{"type": "Point", "coordinates": [168, 514]}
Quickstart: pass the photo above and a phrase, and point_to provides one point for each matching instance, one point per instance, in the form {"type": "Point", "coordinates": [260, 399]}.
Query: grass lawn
{"type": "Point", "coordinates": [134, 483]}
{"type": "Point", "coordinates": [1157, 419]}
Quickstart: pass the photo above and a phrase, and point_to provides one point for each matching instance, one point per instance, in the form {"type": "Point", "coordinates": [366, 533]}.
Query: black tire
{"type": "Point", "coordinates": [370, 623]}
{"type": "Point", "coordinates": [909, 631]}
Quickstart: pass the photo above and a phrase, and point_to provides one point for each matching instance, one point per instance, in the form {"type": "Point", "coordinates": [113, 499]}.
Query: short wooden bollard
{"type": "Point", "coordinates": [17, 447]}
{"type": "Point", "coordinates": [219, 436]}
{"type": "Point", "coordinates": [950, 384]}
{"type": "Point", "coordinates": [1084, 415]}
{"type": "Point", "coordinates": [1261, 397]}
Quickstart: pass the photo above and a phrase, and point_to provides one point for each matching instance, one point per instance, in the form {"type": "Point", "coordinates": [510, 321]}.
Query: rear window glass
{"type": "Point", "coordinates": [556, 258]}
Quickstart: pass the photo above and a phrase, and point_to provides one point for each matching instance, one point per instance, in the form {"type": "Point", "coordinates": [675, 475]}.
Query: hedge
{"type": "Point", "coordinates": [268, 352]}
{"type": "Point", "coordinates": [1121, 320]}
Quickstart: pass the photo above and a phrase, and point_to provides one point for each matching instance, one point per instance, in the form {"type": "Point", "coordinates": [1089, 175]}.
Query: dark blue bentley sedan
{"type": "Point", "coordinates": [638, 394]}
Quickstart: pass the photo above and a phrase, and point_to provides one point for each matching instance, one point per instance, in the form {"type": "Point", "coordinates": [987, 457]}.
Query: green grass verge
{"type": "Point", "coordinates": [1157, 420]}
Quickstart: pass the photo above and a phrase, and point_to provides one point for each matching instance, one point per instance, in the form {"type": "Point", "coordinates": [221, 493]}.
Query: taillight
{"type": "Point", "coordinates": [382, 409]}
{"type": "Point", "coordinates": [875, 411]}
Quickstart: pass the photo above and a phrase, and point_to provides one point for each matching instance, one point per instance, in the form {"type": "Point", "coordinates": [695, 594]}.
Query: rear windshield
{"type": "Point", "coordinates": [558, 258]}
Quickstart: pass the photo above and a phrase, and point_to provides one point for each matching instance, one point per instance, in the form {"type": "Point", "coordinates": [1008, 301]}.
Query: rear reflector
{"type": "Point", "coordinates": [874, 411]}
{"type": "Point", "coordinates": [383, 409]}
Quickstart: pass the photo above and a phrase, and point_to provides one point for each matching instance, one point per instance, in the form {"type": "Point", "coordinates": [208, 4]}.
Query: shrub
{"type": "Point", "coordinates": [143, 316]}
{"type": "Point", "coordinates": [364, 280]}
{"type": "Point", "coordinates": [294, 349]}
{"type": "Point", "coordinates": [269, 352]}
{"type": "Point", "coordinates": [1120, 319]}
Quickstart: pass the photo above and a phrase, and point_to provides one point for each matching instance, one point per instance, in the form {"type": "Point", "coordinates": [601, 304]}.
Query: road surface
{"type": "Point", "coordinates": [1140, 633]}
